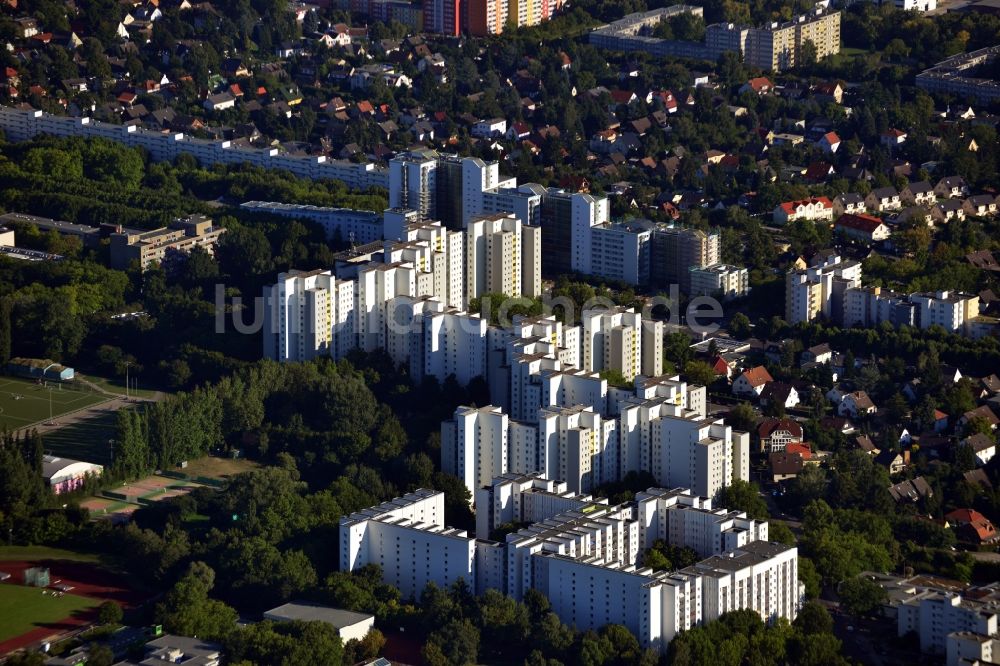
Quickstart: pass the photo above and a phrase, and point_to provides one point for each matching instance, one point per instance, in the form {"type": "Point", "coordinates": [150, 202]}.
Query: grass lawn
{"type": "Point", "coordinates": [34, 553]}
{"type": "Point", "coordinates": [218, 468]}
{"type": "Point", "coordinates": [23, 609]}
{"type": "Point", "coordinates": [23, 402]}
{"type": "Point", "coordinates": [84, 440]}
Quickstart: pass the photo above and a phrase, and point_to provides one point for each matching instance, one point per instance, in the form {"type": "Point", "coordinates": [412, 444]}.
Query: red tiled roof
{"type": "Point", "coordinates": [769, 426]}
{"type": "Point", "coordinates": [760, 83]}
{"type": "Point", "coordinates": [831, 138]}
{"type": "Point", "coordinates": [861, 222]}
{"type": "Point", "coordinates": [802, 449]}
{"type": "Point", "coordinates": [758, 376]}
{"type": "Point", "coordinates": [790, 206]}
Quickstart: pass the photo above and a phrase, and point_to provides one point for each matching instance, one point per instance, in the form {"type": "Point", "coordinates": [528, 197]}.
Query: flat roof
{"type": "Point", "coordinates": [310, 612]}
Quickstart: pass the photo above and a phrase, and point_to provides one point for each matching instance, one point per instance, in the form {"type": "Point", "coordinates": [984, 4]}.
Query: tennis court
{"type": "Point", "coordinates": [24, 402]}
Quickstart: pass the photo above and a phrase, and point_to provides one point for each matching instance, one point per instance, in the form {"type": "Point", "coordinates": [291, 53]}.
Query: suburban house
{"type": "Point", "coordinates": [752, 381]}
{"type": "Point", "coordinates": [487, 129]}
{"type": "Point", "coordinates": [829, 142]}
{"type": "Point", "coordinates": [780, 393]}
{"type": "Point", "coordinates": [856, 404]}
{"type": "Point", "coordinates": [894, 461]}
{"type": "Point", "coordinates": [821, 353]}
{"type": "Point", "coordinates": [984, 446]}
{"type": "Point", "coordinates": [918, 194]}
{"type": "Point", "coordinates": [883, 199]}
{"type": "Point", "coordinates": [951, 187]}
{"type": "Point", "coordinates": [983, 412]}
{"type": "Point", "coordinates": [862, 227]}
{"type": "Point", "coordinates": [946, 211]}
{"type": "Point", "coordinates": [980, 205]}
{"type": "Point", "coordinates": [849, 202]}
{"type": "Point", "coordinates": [911, 490]}
{"type": "Point", "coordinates": [777, 434]}
{"type": "Point", "coordinates": [970, 525]}
{"type": "Point", "coordinates": [813, 208]}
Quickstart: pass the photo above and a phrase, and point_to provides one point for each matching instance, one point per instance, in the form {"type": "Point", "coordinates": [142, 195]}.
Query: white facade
{"type": "Point", "coordinates": [584, 559]}
{"type": "Point", "coordinates": [705, 455]}
{"type": "Point", "coordinates": [947, 309]}
{"type": "Point", "coordinates": [730, 281]}
{"type": "Point", "coordinates": [474, 446]}
{"type": "Point", "coordinates": [21, 125]}
{"type": "Point", "coordinates": [407, 538]}
{"type": "Point", "coordinates": [934, 615]}
{"type": "Point", "coordinates": [621, 251]}
{"type": "Point", "coordinates": [308, 315]}
{"type": "Point", "coordinates": [502, 257]}
{"type": "Point", "coordinates": [357, 226]}
{"type": "Point", "coordinates": [818, 290]}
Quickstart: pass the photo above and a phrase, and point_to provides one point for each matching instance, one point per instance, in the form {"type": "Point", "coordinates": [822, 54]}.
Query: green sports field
{"type": "Point", "coordinates": [23, 402]}
{"type": "Point", "coordinates": [23, 609]}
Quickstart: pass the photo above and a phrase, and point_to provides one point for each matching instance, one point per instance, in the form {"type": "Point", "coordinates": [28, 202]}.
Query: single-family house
{"type": "Point", "coordinates": [980, 205]}
{"type": "Point", "coordinates": [855, 404]}
{"type": "Point", "coordinates": [752, 381]}
{"type": "Point", "coordinates": [918, 194]}
{"type": "Point", "coordinates": [862, 227]}
{"type": "Point", "coordinates": [829, 143]}
{"type": "Point", "coordinates": [972, 526]}
{"type": "Point", "coordinates": [894, 461]}
{"type": "Point", "coordinates": [983, 446]}
{"type": "Point", "coordinates": [951, 187]}
{"type": "Point", "coordinates": [982, 412]}
{"type": "Point", "coordinates": [813, 208]}
{"type": "Point", "coordinates": [780, 393]}
{"type": "Point", "coordinates": [946, 211]}
{"type": "Point", "coordinates": [849, 202]}
{"type": "Point", "coordinates": [777, 434]}
{"type": "Point", "coordinates": [883, 199]}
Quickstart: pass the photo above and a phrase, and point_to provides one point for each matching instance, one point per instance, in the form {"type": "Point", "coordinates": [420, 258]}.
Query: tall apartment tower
{"type": "Point", "coordinates": [412, 183]}
{"type": "Point", "coordinates": [818, 291]}
{"type": "Point", "coordinates": [308, 315]}
{"type": "Point", "coordinates": [441, 187]}
{"type": "Point", "coordinates": [675, 250]}
{"type": "Point", "coordinates": [502, 257]}
{"type": "Point", "coordinates": [443, 17]}
{"type": "Point", "coordinates": [486, 17]}
{"type": "Point", "coordinates": [567, 220]}
{"type": "Point", "coordinates": [474, 445]}
{"type": "Point", "coordinates": [778, 46]}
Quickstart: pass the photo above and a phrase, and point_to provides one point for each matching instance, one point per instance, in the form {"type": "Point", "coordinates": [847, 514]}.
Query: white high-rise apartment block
{"type": "Point", "coordinates": [376, 285]}
{"type": "Point", "coordinates": [682, 519]}
{"type": "Point", "coordinates": [725, 279]}
{"type": "Point", "coordinates": [447, 259]}
{"type": "Point", "coordinates": [308, 315]}
{"type": "Point", "coordinates": [412, 183]}
{"type": "Point", "coordinates": [454, 344]}
{"type": "Point", "coordinates": [442, 187]}
{"type": "Point", "coordinates": [524, 201]}
{"type": "Point", "coordinates": [621, 251]}
{"type": "Point", "coordinates": [407, 538]}
{"type": "Point", "coordinates": [502, 257]}
{"type": "Point", "coordinates": [620, 340]}
{"type": "Point", "coordinates": [586, 559]}
{"type": "Point", "coordinates": [818, 290]}
{"type": "Point", "coordinates": [577, 445]}
{"type": "Point", "coordinates": [948, 309]}
{"type": "Point", "coordinates": [524, 498]}
{"type": "Point", "coordinates": [705, 455]}
{"type": "Point", "coordinates": [932, 615]}
{"type": "Point", "coordinates": [474, 446]}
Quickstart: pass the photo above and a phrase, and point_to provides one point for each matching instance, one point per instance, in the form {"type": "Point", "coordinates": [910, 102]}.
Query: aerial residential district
{"type": "Point", "coordinates": [452, 332]}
